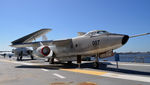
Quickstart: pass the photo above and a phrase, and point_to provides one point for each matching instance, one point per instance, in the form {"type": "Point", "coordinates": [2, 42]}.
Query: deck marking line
{"type": "Point", "coordinates": [58, 75]}
{"type": "Point", "coordinates": [16, 62]}
{"type": "Point", "coordinates": [85, 71]}
{"type": "Point", "coordinates": [44, 69]}
{"type": "Point", "coordinates": [127, 77]}
{"type": "Point", "coordinates": [132, 64]}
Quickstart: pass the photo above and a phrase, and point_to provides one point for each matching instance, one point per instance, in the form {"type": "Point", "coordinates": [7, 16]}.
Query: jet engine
{"type": "Point", "coordinates": [42, 51]}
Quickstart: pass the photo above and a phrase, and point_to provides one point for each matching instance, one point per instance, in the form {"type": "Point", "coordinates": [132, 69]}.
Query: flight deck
{"type": "Point", "coordinates": [39, 72]}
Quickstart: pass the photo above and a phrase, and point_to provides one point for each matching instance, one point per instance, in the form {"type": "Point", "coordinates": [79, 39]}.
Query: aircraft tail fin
{"type": "Point", "coordinates": [31, 37]}
{"type": "Point", "coordinates": [44, 38]}
{"type": "Point", "coordinates": [81, 33]}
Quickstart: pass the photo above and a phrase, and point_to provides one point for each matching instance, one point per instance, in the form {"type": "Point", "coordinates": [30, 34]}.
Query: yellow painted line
{"type": "Point", "coordinates": [85, 71]}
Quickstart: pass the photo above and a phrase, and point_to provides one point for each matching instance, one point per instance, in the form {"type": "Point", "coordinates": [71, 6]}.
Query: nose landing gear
{"type": "Point", "coordinates": [98, 64]}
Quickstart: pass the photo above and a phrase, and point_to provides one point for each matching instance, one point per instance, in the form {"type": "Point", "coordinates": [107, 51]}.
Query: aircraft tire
{"type": "Point", "coordinates": [51, 60]}
{"type": "Point", "coordinates": [32, 58]}
{"type": "Point", "coordinates": [69, 62]}
{"type": "Point", "coordinates": [102, 65]}
{"type": "Point", "coordinates": [96, 65]}
{"type": "Point", "coordinates": [20, 58]}
{"type": "Point", "coordinates": [17, 58]}
{"type": "Point", "coordinates": [99, 65]}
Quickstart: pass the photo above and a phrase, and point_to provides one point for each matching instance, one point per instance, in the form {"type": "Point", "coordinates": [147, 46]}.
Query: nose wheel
{"type": "Point", "coordinates": [98, 64]}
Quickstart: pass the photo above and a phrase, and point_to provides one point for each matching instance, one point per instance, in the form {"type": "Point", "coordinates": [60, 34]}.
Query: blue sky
{"type": "Point", "coordinates": [67, 17]}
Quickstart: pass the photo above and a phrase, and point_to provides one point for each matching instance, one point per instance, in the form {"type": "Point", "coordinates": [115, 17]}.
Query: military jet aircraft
{"type": "Point", "coordinates": [23, 51]}
{"type": "Point", "coordinates": [98, 42]}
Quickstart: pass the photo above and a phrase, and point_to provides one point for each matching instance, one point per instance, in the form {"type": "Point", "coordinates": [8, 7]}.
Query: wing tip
{"type": "Point", "coordinates": [48, 29]}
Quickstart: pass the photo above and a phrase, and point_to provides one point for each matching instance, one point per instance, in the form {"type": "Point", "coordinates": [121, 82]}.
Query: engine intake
{"type": "Point", "coordinates": [45, 51]}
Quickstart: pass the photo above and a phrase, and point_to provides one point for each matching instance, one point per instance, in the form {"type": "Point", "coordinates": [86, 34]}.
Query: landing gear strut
{"type": "Point", "coordinates": [51, 60]}
{"type": "Point", "coordinates": [98, 64]}
{"type": "Point", "coordinates": [79, 60]}
{"type": "Point", "coordinates": [32, 58]}
{"type": "Point", "coordinates": [19, 58]}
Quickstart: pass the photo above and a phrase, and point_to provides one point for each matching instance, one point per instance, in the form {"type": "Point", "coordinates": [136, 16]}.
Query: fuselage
{"type": "Point", "coordinates": [88, 45]}
{"type": "Point", "coordinates": [91, 43]}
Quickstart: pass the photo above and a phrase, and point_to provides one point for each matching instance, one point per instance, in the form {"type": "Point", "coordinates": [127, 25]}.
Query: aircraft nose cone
{"type": "Point", "coordinates": [125, 39]}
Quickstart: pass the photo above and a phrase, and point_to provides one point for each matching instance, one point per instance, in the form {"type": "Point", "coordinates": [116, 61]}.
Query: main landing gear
{"type": "Point", "coordinates": [32, 57]}
{"type": "Point", "coordinates": [19, 57]}
{"type": "Point", "coordinates": [79, 60]}
{"type": "Point", "coordinates": [51, 60]}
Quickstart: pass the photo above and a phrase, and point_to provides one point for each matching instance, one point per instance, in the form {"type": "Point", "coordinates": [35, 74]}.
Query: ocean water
{"type": "Point", "coordinates": [131, 57]}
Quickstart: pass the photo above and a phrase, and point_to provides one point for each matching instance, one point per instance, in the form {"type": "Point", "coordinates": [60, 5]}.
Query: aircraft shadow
{"type": "Point", "coordinates": [85, 65]}
{"type": "Point", "coordinates": [127, 71]}
{"type": "Point", "coordinates": [51, 66]}
{"type": "Point", "coordinates": [119, 70]}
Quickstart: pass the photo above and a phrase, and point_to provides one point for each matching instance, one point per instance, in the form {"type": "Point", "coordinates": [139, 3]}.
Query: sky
{"type": "Point", "coordinates": [67, 17]}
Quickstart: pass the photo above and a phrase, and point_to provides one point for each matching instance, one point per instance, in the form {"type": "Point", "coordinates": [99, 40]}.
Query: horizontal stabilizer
{"type": "Point", "coordinates": [31, 37]}
{"type": "Point", "coordinates": [139, 35]}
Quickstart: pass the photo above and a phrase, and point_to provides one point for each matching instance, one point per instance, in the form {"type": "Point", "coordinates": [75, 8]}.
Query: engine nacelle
{"type": "Point", "coordinates": [42, 51]}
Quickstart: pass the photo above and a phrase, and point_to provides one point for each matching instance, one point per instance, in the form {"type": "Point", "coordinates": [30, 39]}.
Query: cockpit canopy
{"type": "Point", "coordinates": [97, 32]}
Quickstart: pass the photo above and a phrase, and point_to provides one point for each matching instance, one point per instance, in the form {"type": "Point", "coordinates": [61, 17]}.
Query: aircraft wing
{"type": "Point", "coordinates": [31, 37]}
{"type": "Point", "coordinates": [139, 35]}
{"type": "Point", "coordinates": [67, 42]}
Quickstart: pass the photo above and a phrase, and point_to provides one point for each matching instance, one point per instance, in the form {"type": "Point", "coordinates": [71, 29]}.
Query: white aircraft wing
{"type": "Point", "coordinates": [31, 37]}
{"type": "Point", "coordinates": [67, 42]}
{"type": "Point", "coordinates": [139, 35]}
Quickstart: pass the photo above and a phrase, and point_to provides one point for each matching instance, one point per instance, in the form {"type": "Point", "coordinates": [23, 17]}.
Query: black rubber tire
{"type": "Point", "coordinates": [32, 58]}
{"type": "Point", "coordinates": [102, 65]}
{"type": "Point", "coordinates": [69, 62]}
{"type": "Point", "coordinates": [20, 58]}
{"type": "Point", "coordinates": [96, 65]}
{"type": "Point", "coordinates": [17, 58]}
{"type": "Point", "coordinates": [51, 60]}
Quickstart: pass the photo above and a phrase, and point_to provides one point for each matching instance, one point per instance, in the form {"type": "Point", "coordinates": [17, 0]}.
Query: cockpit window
{"type": "Point", "coordinates": [97, 32]}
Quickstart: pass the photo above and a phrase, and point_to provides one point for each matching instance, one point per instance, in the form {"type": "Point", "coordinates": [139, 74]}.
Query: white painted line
{"type": "Point", "coordinates": [60, 76]}
{"type": "Point", "coordinates": [132, 64]}
{"type": "Point", "coordinates": [127, 77]}
{"type": "Point", "coordinates": [135, 64]}
{"type": "Point", "coordinates": [44, 69]}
